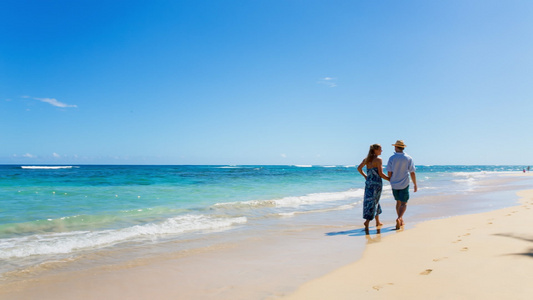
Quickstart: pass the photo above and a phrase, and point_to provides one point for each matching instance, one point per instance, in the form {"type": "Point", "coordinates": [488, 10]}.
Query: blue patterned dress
{"type": "Point", "coordinates": [373, 187]}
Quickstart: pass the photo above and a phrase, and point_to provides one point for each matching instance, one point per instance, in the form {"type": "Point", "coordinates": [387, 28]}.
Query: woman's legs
{"type": "Point", "coordinates": [378, 223]}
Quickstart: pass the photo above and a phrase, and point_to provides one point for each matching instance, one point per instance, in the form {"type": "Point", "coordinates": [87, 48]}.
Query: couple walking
{"type": "Point", "coordinates": [399, 168]}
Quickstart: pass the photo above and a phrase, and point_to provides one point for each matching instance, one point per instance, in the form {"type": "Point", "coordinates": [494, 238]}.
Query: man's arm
{"type": "Point", "coordinates": [413, 178]}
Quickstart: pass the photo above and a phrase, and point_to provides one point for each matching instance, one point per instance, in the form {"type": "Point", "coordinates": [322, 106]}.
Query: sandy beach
{"type": "Point", "coordinates": [477, 256]}
{"type": "Point", "coordinates": [480, 256]}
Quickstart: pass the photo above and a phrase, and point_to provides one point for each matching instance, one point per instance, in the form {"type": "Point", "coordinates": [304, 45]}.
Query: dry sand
{"type": "Point", "coordinates": [480, 256]}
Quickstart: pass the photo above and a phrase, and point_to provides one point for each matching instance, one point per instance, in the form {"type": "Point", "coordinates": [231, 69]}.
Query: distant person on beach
{"type": "Point", "coordinates": [399, 168]}
{"type": "Point", "coordinates": [373, 184]}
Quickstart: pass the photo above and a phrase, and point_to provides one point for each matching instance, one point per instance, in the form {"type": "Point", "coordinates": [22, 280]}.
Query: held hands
{"type": "Point", "coordinates": [384, 176]}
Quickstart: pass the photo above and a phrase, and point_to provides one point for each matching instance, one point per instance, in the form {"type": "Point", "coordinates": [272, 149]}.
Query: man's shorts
{"type": "Point", "coordinates": [401, 195]}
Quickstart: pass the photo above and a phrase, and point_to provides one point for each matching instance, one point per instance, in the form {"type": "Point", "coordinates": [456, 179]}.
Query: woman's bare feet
{"type": "Point", "coordinates": [398, 224]}
{"type": "Point", "coordinates": [367, 222]}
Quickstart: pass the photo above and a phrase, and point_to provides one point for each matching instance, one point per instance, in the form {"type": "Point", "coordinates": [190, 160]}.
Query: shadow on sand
{"type": "Point", "coordinates": [529, 253]}
{"type": "Point", "coordinates": [362, 231]}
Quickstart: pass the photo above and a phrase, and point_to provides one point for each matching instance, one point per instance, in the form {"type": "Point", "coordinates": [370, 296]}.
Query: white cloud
{"type": "Point", "coordinates": [52, 102]}
{"type": "Point", "coordinates": [329, 81]}
{"type": "Point", "coordinates": [283, 155]}
{"type": "Point", "coordinates": [56, 155]}
{"type": "Point", "coordinates": [28, 155]}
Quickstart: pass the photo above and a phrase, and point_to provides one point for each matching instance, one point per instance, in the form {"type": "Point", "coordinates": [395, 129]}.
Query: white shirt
{"type": "Point", "coordinates": [400, 164]}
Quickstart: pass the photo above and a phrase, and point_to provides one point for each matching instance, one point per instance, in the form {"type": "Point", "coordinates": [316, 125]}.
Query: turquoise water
{"type": "Point", "coordinates": [110, 197]}
{"type": "Point", "coordinates": [58, 211]}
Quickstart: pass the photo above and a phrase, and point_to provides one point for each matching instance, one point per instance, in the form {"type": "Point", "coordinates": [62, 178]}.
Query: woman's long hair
{"type": "Point", "coordinates": [371, 154]}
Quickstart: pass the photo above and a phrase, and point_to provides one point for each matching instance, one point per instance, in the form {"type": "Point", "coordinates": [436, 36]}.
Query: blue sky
{"type": "Point", "coordinates": [265, 81]}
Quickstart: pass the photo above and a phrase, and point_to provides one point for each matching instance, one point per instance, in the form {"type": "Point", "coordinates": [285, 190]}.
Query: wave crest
{"type": "Point", "coordinates": [67, 242]}
{"type": "Point", "coordinates": [294, 201]}
{"type": "Point", "coordinates": [47, 167]}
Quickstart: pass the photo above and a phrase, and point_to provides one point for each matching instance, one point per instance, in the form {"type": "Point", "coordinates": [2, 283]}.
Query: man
{"type": "Point", "coordinates": [399, 168]}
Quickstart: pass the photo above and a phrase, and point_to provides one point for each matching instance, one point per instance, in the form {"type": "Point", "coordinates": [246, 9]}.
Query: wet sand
{"type": "Point", "coordinates": [261, 267]}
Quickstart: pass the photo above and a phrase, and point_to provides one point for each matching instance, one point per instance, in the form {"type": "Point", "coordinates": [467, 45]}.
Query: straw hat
{"type": "Point", "coordinates": [400, 144]}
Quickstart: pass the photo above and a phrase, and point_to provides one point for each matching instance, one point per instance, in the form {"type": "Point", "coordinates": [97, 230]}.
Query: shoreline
{"type": "Point", "coordinates": [268, 265]}
{"type": "Point", "coordinates": [479, 256]}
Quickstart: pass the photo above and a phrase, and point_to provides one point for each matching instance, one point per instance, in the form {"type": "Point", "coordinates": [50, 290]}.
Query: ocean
{"type": "Point", "coordinates": [63, 213]}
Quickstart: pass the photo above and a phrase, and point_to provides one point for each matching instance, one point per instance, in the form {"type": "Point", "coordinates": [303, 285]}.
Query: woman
{"type": "Point", "coordinates": [373, 184]}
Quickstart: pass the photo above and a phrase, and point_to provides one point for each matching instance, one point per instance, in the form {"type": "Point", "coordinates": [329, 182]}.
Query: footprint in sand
{"type": "Point", "coordinates": [379, 287]}
{"type": "Point", "coordinates": [457, 241]}
{"type": "Point", "coordinates": [439, 259]}
{"type": "Point", "coordinates": [464, 249]}
{"type": "Point", "coordinates": [426, 272]}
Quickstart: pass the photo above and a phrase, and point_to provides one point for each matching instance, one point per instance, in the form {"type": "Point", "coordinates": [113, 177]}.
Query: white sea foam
{"type": "Point", "coordinates": [469, 181]}
{"type": "Point", "coordinates": [482, 173]}
{"type": "Point", "coordinates": [294, 213]}
{"type": "Point", "coordinates": [468, 178]}
{"type": "Point", "coordinates": [62, 243]}
{"type": "Point", "coordinates": [303, 166]}
{"type": "Point", "coordinates": [295, 201]}
{"type": "Point", "coordinates": [288, 214]}
{"type": "Point", "coordinates": [469, 174]}
{"type": "Point", "coordinates": [46, 167]}
{"type": "Point", "coordinates": [318, 198]}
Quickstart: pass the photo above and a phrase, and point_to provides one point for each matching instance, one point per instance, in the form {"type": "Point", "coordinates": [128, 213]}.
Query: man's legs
{"type": "Point", "coordinates": [401, 197]}
{"type": "Point", "coordinates": [401, 207]}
